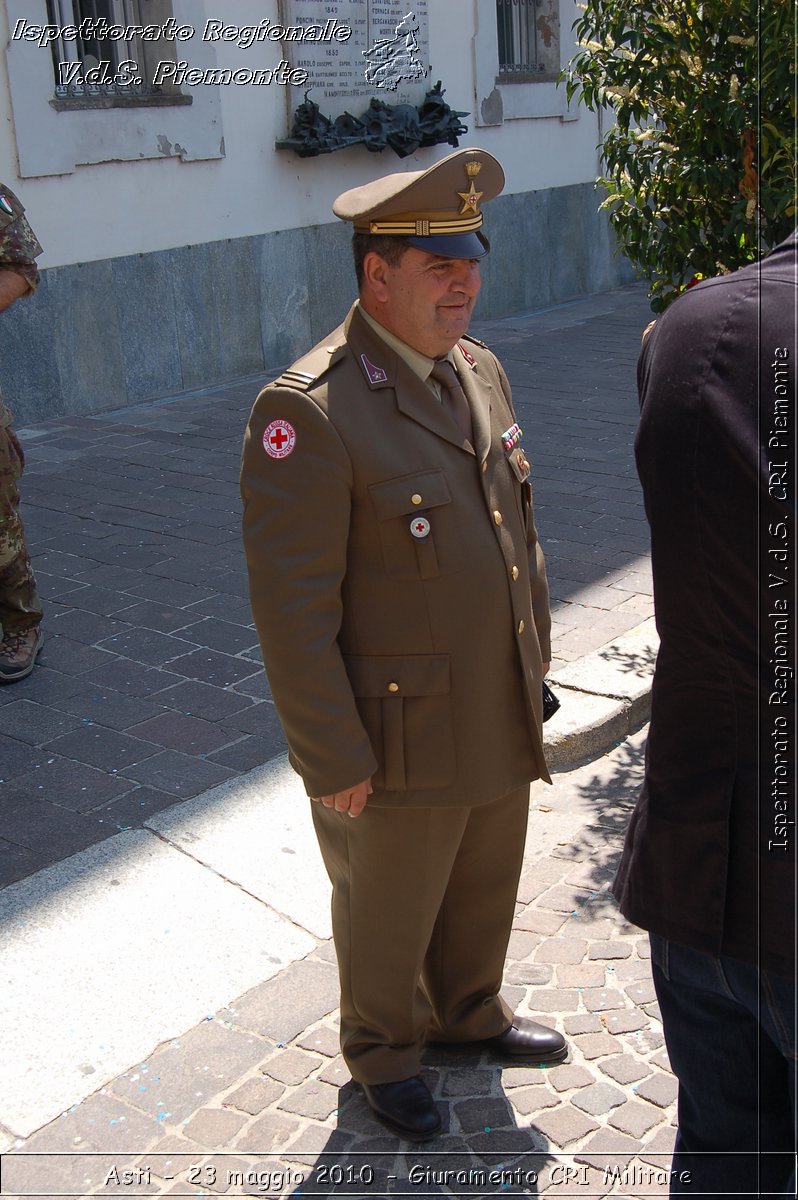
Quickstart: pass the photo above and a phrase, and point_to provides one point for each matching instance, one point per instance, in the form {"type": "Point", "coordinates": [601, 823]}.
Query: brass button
{"type": "Point", "coordinates": [498, 518]}
{"type": "Point", "coordinates": [484, 467]}
{"type": "Point", "coordinates": [514, 572]}
{"type": "Point", "coordinates": [393, 687]}
{"type": "Point", "coordinates": [415, 498]}
{"type": "Point", "coordinates": [521, 626]}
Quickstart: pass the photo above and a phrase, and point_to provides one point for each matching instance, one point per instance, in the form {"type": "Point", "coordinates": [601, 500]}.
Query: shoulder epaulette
{"type": "Point", "coordinates": [468, 338]}
{"type": "Point", "coordinates": [300, 379]}
{"type": "Point", "coordinates": [306, 372]}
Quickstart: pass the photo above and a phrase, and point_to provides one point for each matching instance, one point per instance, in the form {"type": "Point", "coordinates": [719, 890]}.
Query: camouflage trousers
{"type": "Point", "coordinates": [20, 607]}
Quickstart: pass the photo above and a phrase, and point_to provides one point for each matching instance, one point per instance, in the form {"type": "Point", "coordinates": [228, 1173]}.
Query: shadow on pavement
{"type": "Point", "coordinates": [606, 791]}
{"type": "Point", "coordinates": [490, 1155]}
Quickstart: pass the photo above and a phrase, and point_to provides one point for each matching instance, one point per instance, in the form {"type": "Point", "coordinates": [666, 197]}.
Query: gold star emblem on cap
{"type": "Point", "coordinates": [472, 197]}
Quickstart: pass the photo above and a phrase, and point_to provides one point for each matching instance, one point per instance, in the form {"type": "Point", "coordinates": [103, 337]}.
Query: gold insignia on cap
{"type": "Point", "coordinates": [472, 197]}
{"type": "Point", "coordinates": [427, 204]}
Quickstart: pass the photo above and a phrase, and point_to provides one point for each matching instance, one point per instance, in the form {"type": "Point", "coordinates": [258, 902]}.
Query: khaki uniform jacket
{"type": "Point", "coordinates": [412, 660]}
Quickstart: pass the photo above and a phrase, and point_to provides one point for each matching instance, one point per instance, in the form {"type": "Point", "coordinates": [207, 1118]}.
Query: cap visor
{"type": "Point", "coordinates": [453, 245]}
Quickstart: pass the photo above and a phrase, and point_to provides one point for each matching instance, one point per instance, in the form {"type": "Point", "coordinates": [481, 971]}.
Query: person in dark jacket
{"type": "Point", "coordinates": [709, 861]}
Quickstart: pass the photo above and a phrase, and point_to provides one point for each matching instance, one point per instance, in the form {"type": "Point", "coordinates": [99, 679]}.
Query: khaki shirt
{"type": "Point", "coordinates": [421, 364]}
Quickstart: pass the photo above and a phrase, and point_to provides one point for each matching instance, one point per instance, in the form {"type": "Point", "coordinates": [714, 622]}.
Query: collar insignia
{"type": "Point", "coordinates": [373, 373]}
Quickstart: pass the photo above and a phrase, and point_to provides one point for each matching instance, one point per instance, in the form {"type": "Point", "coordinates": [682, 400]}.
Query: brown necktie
{"type": "Point", "coordinates": [453, 397]}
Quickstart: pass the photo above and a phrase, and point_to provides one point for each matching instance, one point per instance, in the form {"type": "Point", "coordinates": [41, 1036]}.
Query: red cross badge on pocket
{"type": "Point", "coordinates": [420, 527]}
{"type": "Point", "coordinates": [279, 439]}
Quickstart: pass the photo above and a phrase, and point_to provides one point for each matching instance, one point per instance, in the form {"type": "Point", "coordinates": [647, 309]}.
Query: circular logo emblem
{"type": "Point", "coordinates": [419, 527]}
{"type": "Point", "coordinates": [279, 439]}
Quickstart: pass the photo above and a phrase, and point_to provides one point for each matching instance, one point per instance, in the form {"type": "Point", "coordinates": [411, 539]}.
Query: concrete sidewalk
{"type": "Point", "coordinates": [167, 878]}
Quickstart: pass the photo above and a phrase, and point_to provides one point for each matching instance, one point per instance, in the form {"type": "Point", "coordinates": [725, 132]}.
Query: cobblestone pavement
{"type": "Point", "coordinates": [256, 1100]}
{"type": "Point", "coordinates": [150, 688]}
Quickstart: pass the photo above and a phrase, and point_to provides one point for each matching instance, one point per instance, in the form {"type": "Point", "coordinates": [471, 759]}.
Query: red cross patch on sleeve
{"type": "Point", "coordinates": [279, 439]}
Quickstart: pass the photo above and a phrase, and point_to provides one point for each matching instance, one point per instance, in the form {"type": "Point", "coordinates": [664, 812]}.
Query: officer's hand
{"type": "Point", "coordinates": [546, 668]}
{"type": "Point", "coordinates": [350, 800]}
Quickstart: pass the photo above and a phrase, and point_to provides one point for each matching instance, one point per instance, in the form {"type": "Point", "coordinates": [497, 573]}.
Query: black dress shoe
{"type": "Point", "coordinates": [528, 1039]}
{"type": "Point", "coordinates": [406, 1107]}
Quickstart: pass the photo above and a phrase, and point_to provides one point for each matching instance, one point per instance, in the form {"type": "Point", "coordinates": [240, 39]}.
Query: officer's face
{"type": "Point", "coordinates": [427, 301]}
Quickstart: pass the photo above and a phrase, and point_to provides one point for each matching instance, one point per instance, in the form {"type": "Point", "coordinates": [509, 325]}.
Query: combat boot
{"type": "Point", "coordinates": [18, 653]}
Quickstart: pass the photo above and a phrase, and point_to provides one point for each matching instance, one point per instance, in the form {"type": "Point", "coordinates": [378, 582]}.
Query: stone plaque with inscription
{"type": "Point", "coordinates": [386, 55]}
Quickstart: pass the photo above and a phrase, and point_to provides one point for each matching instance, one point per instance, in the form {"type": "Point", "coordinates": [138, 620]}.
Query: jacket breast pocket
{"type": "Point", "coordinates": [405, 705]}
{"type": "Point", "coordinates": [418, 526]}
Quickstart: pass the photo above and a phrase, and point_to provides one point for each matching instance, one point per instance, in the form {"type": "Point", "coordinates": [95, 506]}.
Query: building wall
{"type": "Point", "coordinates": [181, 249]}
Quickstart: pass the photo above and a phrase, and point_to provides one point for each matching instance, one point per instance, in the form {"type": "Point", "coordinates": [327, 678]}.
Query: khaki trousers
{"type": "Point", "coordinates": [422, 911]}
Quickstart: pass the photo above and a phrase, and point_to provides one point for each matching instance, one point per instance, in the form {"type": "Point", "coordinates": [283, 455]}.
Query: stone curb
{"type": "Point", "coordinates": [604, 696]}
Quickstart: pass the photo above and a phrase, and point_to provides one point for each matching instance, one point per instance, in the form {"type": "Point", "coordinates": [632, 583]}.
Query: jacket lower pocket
{"type": "Point", "coordinates": [404, 702]}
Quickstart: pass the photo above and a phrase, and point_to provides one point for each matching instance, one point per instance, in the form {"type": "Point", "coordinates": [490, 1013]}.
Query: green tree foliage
{"type": "Point", "coordinates": [700, 163]}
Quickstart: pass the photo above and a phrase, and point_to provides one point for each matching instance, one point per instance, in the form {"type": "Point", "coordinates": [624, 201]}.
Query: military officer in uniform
{"type": "Point", "coordinates": [20, 607]}
{"type": "Point", "coordinates": [400, 597]}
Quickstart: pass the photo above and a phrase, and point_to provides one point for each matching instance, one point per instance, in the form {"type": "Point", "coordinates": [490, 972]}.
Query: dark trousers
{"type": "Point", "coordinates": [730, 1033]}
{"type": "Point", "coordinates": [422, 911]}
